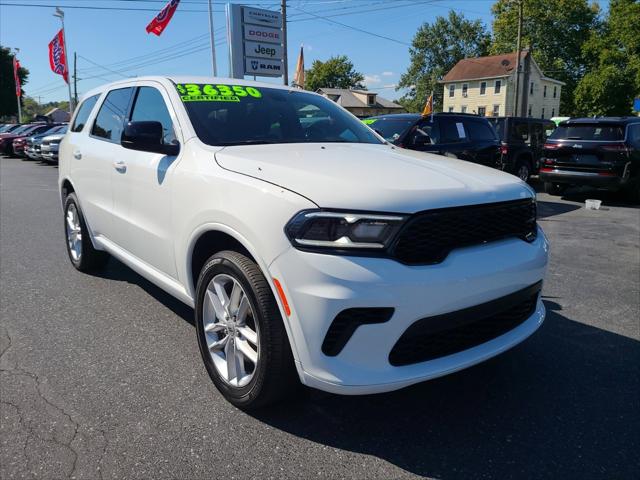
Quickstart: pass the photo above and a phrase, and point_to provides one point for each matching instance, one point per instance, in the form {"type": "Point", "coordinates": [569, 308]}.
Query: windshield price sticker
{"type": "Point", "coordinates": [192, 92]}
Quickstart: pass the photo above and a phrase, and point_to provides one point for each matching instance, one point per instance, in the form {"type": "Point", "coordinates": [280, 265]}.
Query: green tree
{"type": "Point", "coordinates": [554, 31]}
{"type": "Point", "coordinates": [337, 72]}
{"type": "Point", "coordinates": [613, 56]}
{"type": "Point", "coordinates": [8, 104]}
{"type": "Point", "coordinates": [435, 49]}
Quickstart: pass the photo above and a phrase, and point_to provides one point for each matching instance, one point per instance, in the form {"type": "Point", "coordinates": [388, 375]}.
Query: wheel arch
{"type": "Point", "coordinates": [212, 238]}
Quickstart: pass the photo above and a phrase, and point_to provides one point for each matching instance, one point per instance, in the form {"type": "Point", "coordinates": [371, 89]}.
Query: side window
{"type": "Point", "coordinates": [537, 134]}
{"type": "Point", "coordinates": [634, 135]}
{"type": "Point", "coordinates": [83, 113]}
{"type": "Point", "coordinates": [110, 120]}
{"type": "Point", "coordinates": [452, 131]}
{"type": "Point", "coordinates": [520, 132]}
{"type": "Point", "coordinates": [479, 130]}
{"type": "Point", "coordinates": [150, 106]}
{"type": "Point", "coordinates": [423, 128]}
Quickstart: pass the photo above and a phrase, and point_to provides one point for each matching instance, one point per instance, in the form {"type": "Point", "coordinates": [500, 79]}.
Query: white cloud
{"type": "Point", "coordinates": [387, 74]}
{"type": "Point", "coordinates": [391, 85]}
{"type": "Point", "coordinates": [372, 79]}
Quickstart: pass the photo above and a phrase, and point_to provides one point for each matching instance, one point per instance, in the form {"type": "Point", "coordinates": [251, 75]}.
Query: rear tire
{"type": "Point", "coordinates": [555, 189]}
{"type": "Point", "coordinates": [265, 374]}
{"type": "Point", "coordinates": [83, 255]}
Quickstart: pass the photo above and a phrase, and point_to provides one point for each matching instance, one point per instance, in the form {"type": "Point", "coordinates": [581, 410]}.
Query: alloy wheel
{"type": "Point", "coordinates": [230, 330]}
{"type": "Point", "coordinates": [74, 232]}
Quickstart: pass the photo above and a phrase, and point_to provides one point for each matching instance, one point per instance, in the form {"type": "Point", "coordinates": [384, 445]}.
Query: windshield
{"type": "Point", "coordinates": [390, 128]}
{"type": "Point", "coordinates": [7, 128]}
{"type": "Point", "coordinates": [244, 115]}
{"type": "Point", "coordinates": [597, 131]}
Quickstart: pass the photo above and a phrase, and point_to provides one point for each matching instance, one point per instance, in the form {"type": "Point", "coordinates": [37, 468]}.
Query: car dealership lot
{"type": "Point", "coordinates": [101, 376]}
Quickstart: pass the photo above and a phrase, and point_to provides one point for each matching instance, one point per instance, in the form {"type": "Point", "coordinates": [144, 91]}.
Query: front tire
{"type": "Point", "coordinates": [241, 334]}
{"type": "Point", "coordinates": [83, 255]}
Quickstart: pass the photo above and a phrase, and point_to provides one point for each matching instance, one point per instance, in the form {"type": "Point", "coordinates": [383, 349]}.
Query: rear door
{"type": "Point", "coordinates": [588, 147]}
{"type": "Point", "coordinates": [482, 144]}
{"type": "Point", "coordinates": [95, 157]}
{"type": "Point", "coordinates": [142, 186]}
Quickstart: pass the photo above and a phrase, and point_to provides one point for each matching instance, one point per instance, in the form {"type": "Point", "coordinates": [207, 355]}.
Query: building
{"type": "Point", "coordinates": [487, 85]}
{"type": "Point", "coordinates": [362, 103]}
{"type": "Point", "coordinates": [58, 116]}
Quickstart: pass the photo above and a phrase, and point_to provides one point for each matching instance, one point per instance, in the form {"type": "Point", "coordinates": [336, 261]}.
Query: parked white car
{"type": "Point", "coordinates": [311, 250]}
{"type": "Point", "coordinates": [50, 145]}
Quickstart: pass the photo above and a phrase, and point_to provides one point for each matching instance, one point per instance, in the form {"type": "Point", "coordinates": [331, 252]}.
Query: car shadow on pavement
{"type": "Point", "coordinates": [118, 271]}
{"type": "Point", "coordinates": [564, 404]}
{"type": "Point", "coordinates": [550, 209]}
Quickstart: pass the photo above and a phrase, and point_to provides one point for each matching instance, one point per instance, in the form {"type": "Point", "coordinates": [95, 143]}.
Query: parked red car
{"type": "Point", "coordinates": [6, 139]}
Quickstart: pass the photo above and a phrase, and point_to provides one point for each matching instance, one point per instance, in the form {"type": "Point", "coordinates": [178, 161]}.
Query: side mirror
{"type": "Point", "coordinates": [147, 137]}
{"type": "Point", "coordinates": [421, 139]}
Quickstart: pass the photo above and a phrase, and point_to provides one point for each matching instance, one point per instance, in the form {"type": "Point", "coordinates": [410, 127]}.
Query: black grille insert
{"type": "Point", "coordinates": [429, 236]}
{"type": "Point", "coordinates": [441, 335]}
{"type": "Point", "coordinates": [346, 322]}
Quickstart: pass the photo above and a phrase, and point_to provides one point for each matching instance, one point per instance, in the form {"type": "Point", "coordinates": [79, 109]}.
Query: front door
{"type": "Point", "coordinates": [142, 186]}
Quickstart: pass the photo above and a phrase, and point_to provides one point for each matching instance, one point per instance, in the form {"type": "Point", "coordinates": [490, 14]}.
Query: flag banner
{"type": "Point", "coordinates": [58, 57]}
{"type": "Point", "coordinates": [298, 79]}
{"type": "Point", "coordinates": [160, 22]}
{"type": "Point", "coordinates": [16, 77]}
{"type": "Point", "coordinates": [428, 108]}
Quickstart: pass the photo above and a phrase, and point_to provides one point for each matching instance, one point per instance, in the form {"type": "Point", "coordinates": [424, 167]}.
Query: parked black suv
{"type": "Point", "coordinates": [458, 135]}
{"type": "Point", "coordinates": [521, 142]}
{"type": "Point", "coordinates": [603, 152]}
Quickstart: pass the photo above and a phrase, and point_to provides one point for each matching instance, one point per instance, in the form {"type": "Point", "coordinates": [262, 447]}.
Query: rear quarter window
{"type": "Point", "coordinates": [83, 113]}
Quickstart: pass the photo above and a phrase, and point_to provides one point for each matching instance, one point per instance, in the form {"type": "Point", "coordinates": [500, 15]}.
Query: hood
{"type": "Point", "coordinates": [51, 138]}
{"type": "Point", "coordinates": [372, 177]}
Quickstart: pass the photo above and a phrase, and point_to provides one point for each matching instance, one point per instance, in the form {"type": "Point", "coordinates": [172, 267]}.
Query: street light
{"type": "Point", "coordinates": [60, 14]}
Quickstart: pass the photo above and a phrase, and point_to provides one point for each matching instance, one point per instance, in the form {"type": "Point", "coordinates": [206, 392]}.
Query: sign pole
{"type": "Point", "coordinates": [60, 14]}
{"type": "Point", "coordinates": [284, 43]}
{"type": "Point", "coordinates": [19, 110]}
{"type": "Point", "coordinates": [213, 42]}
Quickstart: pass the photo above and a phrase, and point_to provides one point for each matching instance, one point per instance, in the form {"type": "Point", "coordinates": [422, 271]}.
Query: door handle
{"type": "Point", "coordinates": [77, 155]}
{"type": "Point", "coordinates": [120, 166]}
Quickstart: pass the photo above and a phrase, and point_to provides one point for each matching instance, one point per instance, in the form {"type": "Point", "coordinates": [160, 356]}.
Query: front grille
{"type": "Point", "coordinates": [442, 335]}
{"type": "Point", "coordinates": [346, 322]}
{"type": "Point", "coordinates": [429, 236]}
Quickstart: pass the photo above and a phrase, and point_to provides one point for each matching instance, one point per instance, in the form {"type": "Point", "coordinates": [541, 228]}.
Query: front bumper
{"type": "Point", "coordinates": [318, 287]}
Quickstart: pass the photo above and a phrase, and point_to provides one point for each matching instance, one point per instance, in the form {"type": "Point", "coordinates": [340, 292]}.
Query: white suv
{"type": "Point", "coordinates": [311, 250]}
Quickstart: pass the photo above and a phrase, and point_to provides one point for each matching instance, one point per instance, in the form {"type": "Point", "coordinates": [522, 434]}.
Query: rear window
{"type": "Point", "coordinates": [597, 132]}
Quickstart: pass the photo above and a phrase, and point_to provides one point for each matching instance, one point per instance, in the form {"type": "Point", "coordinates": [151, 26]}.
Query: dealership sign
{"type": "Point", "coordinates": [255, 40]}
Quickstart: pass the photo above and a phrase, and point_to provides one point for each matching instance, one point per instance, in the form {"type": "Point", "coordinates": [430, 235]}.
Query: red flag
{"type": "Point", "coordinates": [58, 57]}
{"type": "Point", "coordinates": [16, 67]}
{"type": "Point", "coordinates": [160, 22]}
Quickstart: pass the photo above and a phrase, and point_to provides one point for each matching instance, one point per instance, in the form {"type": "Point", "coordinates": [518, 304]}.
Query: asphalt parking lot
{"type": "Point", "coordinates": [101, 375]}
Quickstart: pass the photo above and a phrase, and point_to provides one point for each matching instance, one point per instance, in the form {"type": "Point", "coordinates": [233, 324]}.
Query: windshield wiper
{"type": "Point", "coordinates": [246, 142]}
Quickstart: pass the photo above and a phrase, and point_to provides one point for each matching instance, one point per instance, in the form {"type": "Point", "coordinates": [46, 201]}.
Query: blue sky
{"type": "Point", "coordinates": [117, 40]}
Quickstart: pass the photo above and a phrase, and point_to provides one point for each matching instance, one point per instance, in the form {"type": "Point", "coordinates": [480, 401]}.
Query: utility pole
{"type": "Point", "coordinates": [213, 42]}
{"type": "Point", "coordinates": [75, 78]}
{"type": "Point", "coordinates": [519, 49]}
{"type": "Point", "coordinates": [284, 41]}
{"type": "Point", "coordinates": [60, 14]}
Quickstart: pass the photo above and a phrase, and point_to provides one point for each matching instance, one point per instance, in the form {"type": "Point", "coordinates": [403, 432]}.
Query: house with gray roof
{"type": "Point", "coordinates": [362, 103]}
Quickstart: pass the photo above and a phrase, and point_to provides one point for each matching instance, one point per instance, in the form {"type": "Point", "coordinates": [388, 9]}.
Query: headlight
{"type": "Point", "coordinates": [321, 230]}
